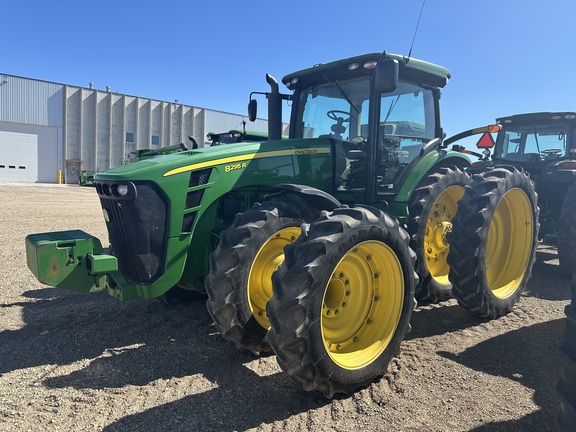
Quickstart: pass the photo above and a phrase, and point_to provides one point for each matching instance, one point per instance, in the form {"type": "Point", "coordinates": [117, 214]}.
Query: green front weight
{"type": "Point", "coordinates": [69, 259]}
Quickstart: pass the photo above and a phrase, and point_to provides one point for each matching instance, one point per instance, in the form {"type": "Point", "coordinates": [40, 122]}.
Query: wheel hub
{"type": "Point", "coordinates": [336, 294]}
{"type": "Point", "coordinates": [437, 230]}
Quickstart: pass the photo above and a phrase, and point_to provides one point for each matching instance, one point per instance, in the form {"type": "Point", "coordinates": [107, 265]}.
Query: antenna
{"type": "Point", "coordinates": [416, 29]}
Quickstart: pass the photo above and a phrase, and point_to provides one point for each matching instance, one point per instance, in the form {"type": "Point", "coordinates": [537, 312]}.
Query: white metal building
{"type": "Point", "coordinates": [47, 128]}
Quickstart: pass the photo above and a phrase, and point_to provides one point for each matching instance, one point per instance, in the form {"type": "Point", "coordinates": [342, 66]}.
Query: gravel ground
{"type": "Point", "coordinates": [88, 362]}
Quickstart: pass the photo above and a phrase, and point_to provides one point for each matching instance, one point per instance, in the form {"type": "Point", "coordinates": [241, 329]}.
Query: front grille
{"type": "Point", "coordinates": [137, 227]}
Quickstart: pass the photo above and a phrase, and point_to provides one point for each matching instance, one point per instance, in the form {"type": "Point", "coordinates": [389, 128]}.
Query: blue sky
{"type": "Point", "coordinates": [505, 56]}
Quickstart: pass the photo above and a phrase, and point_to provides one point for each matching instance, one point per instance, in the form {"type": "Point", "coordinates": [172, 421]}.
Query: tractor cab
{"type": "Point", "coordinates": [380, 111]}
{"type": "Point", "coordinates": [544, 145]}
{"type": "Point", "coordinates": [376, 134]}
{"type": "Point", "coordinates": [538, 142]}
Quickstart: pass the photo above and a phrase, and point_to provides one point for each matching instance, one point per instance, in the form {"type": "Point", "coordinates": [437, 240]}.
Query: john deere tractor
{"type": "Point", "coordinates": [314, 246]}
{"type": "Point", "coordinates": [544, 145]}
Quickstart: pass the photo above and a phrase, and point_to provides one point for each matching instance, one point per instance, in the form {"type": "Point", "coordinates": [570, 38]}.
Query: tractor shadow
{"type": "Point", "coordinates": [516, 357]}
{"type": "Point", "coordinates": [448, 316]}
{"type": "Point", "coordinates": [147, 343]}
{"type": "Point", "coordinates": [548, 281]}
{"type": "Point", "coordinates": [440, 318]}
{"type": "Point", "coordinates": [62, 327]}
{"type": "Point", "coordinates": [547, 262]}
{"type": "Point", "coordinates": [240, 400]}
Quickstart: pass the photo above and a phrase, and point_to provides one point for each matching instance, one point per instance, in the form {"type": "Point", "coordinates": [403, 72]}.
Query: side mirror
{"type": "Point", "coordinates": [386, 76]}
{"type": "Point", "coordinates": [252, 110]}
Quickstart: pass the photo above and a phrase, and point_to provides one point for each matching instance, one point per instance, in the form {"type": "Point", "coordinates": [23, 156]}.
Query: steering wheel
{"type": "Point", "coordinates": [551, 152]}
{"type": "Point", "coordinates": [332, 116]}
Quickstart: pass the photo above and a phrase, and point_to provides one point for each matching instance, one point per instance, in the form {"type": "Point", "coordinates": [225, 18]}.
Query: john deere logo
{"type": "Point", "coordinates": [106, 216]}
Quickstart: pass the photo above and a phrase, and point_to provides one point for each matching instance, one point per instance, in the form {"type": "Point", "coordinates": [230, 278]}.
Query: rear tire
{"type": "Point", "coordinates": [567, 231]}
{"type": "Point", "coordinates": [567, 386]}
{"type": "Point", "coordinates": [239, 283]}
{"type": "Point", "coordinates": [494, 239]}
{"type": "Point", "coordinates": [432, 207]}
{"type": "Point", "coordinates": [342, 300]}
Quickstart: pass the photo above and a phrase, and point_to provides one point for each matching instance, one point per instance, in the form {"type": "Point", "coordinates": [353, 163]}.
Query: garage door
{"type": "Point", "coordinates": [28, 153]}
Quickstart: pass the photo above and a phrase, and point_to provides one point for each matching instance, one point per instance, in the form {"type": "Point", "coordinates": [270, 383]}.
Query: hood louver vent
{"type": "Point", "coordinates": [199, 178]}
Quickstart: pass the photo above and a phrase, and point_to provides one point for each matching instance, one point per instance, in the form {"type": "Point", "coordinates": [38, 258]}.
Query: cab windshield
{"type": "Point", "coordinates": [532, 142]}
{"type": "Point", "coordinates": [340, 110]}
{"type": "Point", "coordinates": [335, 109]}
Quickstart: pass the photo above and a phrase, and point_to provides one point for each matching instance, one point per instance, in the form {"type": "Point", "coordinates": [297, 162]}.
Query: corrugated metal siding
{"type": "Point", "coordinates": [28, 101]}
{"type": "Point", "coordinates": [97, 123]}
{"type": "Point", "coordinates": [92, 125]}
{"type": "Point", "coordinates": [217, 121]}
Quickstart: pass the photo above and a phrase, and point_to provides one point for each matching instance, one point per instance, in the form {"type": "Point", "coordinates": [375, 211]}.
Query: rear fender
{"type": "Point", "coordinates": [424, 165]}
{"type": "Point", "coordinates": [310, 195]}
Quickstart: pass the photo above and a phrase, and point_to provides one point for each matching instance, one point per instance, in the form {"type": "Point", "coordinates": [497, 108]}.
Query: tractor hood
{"type": "Point", "coordinates": [222, 157]}
{"type": "Point", "coordinates": [183, 184]}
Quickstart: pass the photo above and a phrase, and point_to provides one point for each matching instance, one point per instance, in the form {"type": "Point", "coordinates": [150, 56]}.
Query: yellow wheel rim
{"type": "Point", "coordinates": [362, 305]}
{"type": "Point", "coordinates": [267, 260]}
{"type": "Point", "coordinates": [510, 241]}
{"type": "Point", "coordinates": [438, 225]}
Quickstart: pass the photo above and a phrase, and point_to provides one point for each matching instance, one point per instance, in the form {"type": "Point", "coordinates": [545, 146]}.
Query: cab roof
{"type": "Point", "coordinates": [410, 69]}
{"type": "Point", "coordinates": [537, 117]}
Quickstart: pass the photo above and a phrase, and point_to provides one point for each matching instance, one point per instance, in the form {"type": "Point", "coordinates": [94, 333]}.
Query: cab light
{"type": "Point", "coordinates": [353, 66]}
{"type": "Point", "coordinates": [370, 64]}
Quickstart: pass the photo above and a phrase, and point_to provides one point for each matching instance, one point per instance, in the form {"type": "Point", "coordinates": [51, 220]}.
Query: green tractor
{"type": "Point", "coordinates": [314, 246]}
{"type": "Point", "coordinates": [544, 145]}
{"type": "Point", "coordinates": [84, 177]}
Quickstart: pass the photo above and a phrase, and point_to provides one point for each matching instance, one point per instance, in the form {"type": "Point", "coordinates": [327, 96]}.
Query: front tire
{"type": "Point", "coordinates": [342, 300]}
{"type": "Point", "coordinates": [240, 280]}
{"type": "Point", "coordinates": [494, 239]}
{"type": "Point", "coordinates": [432, 207]}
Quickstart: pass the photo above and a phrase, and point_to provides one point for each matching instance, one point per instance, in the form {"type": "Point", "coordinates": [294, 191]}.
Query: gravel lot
{"type": "Point", "coordinates": [87, 362]}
